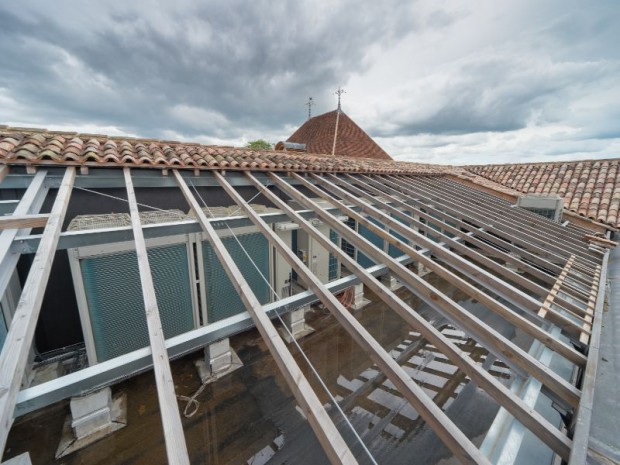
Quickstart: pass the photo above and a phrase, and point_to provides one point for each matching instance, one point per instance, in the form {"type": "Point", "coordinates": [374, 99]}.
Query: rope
{"type": "Point", "coordinates": [193, 401]}
{"type": "Point", "coordinates": [301, 351]}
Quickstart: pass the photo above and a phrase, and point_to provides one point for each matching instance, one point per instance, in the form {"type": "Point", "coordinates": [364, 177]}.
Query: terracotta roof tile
{"type": "Point", "coordinates": [40, 147]}
{"type": "Point", "coordinates": [590, 188]}
{"type": "Point", "coordinates": [318, 135]}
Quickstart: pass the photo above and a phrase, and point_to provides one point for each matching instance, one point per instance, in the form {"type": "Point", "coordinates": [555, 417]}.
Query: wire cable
{"type": "Point", "coordinates": [301, 351]}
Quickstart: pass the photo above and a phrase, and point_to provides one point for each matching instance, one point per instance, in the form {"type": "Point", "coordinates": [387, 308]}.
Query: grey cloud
{"type": "Point", "coordinates": [495, 93]}
{"type": "Point", "coordinates": [251, 62]}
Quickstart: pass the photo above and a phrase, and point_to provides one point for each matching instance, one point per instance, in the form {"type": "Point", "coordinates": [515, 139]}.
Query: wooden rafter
{"type": "Point", "coordinates": [526, 221]}
{"type": "Point", "coordinates": [467, 251]}
{"type": "Point", "coordinates": [481, 276]}
{"type": "Point", "coordinates": [503, 348]}
{"type": "Point", "coordinates": [538, 235]}
{"type": "Point", "coordinates": [176, 448]}
{"type": "Point", "coordinates": [531, 419]}
{"type": "Point", "coordinates": [20, 335]}
{"type": "Point", "coordinates": [334, 446]}
{"type": "Point", "coordinates": [451, 436]}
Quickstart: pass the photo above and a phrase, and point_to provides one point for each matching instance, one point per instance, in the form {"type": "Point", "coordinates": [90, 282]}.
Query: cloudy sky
{"type": "Point", "coordinates": [437, 81]}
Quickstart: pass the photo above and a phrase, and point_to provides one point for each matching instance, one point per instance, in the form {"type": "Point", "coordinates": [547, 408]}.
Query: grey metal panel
{"type": "Point", "coordinates": [74, 239]}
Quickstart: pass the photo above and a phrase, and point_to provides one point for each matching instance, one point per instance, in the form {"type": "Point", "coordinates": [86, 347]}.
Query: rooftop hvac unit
{"type": "Point", "coordinates": [380, 243]}
{"type": "Point", "coordinates": [317, 258]}
{"type": "Point", "coordinates": [549, 206]}
{"type": "Point", "coordinates": [191, 285]}
{"type": "Point", "coordinates": [261, 267]}
{"type": "Point", "coordinates": [8, 304]}
{"type": "Point", "coordinates": [109, 293]}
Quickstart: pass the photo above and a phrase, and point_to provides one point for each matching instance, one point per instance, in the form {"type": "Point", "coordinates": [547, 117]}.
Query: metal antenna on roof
{"type": "Point", "coordinates": [339, 92]}
{"type": "Point", "coordinates": [309, 105]}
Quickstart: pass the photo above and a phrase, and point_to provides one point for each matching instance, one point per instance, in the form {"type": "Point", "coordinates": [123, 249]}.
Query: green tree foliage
{"type": "Point", "coordinates": [259, 144]}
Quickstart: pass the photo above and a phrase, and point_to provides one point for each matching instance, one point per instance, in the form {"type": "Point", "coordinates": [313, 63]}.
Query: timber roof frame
{"type": "Point", "coordinates": [554, 285]}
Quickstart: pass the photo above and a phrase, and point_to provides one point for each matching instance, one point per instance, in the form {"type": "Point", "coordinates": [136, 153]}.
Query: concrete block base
{"type": "Point", "coordinates": [47, 373]}
{"type": "Point", "coordinates": [359, 301]}
{"type": "Point", "coordinates": [391, 282]}
{"type": "Point", "coordinates": [94, 425]}
{"type": "Point", "coordinates": [220, 360]}
{"type": "Point", "coordinates": [295, 321]}
{"type": "Point", "coordinates": [422, 270]}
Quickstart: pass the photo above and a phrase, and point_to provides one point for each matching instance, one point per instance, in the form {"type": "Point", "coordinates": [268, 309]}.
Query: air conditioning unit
{"type": "Point", "coordinates": [318, 259]}
{"type": "Point", "coordinates": [549, 206]}
{"type": "Point", "coordinates": [191, 286]}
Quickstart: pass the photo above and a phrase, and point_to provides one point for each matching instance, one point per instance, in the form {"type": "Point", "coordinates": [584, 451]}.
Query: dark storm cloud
{"type": "Point", "coordinates": [148, 68]}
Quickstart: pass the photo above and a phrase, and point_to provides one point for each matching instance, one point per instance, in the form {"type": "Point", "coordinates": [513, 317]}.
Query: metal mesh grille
{"type": "Point", "coordinates": [115, 304]}
{"type": "Point", "coordinates": [362, 259]}
{"type": "Point", "coordinates": [395, 251]}
{"type": "Point", "coordinates": [346, 246]}
{"type": "Point", "coordinates": [224, 212]}
{"type": "Point", "coordinates": [333, 261]}
{"type": "Point", "coordinates": [546, 212]}
{"type": "Point", "coordinates": [117, 220]}
{"type": "Point", "coordinates": [222, 298]}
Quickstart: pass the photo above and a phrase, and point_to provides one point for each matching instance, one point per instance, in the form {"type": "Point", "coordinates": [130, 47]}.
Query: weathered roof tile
{"type": "Point", "coordinates": [40, 146]}
{"type": "Point", "coordinates": [590, 187]}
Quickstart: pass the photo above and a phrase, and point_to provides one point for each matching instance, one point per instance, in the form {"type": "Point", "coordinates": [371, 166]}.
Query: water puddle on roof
{"type": "Point", "coordinates": [250, 416]}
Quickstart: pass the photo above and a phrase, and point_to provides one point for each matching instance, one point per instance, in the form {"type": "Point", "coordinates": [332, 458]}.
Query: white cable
{"type": "Point", "coordinates": [122, 199]}
{"type": "Point", "coordinates": [303, 354]}
{"type": "Point", "coordinates": [192, 400]}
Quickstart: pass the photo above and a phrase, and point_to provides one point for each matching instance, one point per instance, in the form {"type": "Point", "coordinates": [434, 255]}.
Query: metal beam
{"type": "Point", "coordinates": [107, 373]}
{"type": "Point", "coordinates": [112, 178]}
{"type": "Point", "coordinates": [19, 338]}
{"type": "Point", "coordinates": [450, 435]}
{"type": "Point", "coordinates": [30, 203]}
{"type": "Point", "coordinates": [534, 421]}
{"type": "Point", "coordinates": [74, 239]}
{"type": "Point", "coordinates": [8, 206]}
{"type": "Point", "coordinates": [334, 446]}
{"type": "Point", "coordinates": [176, 448]}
